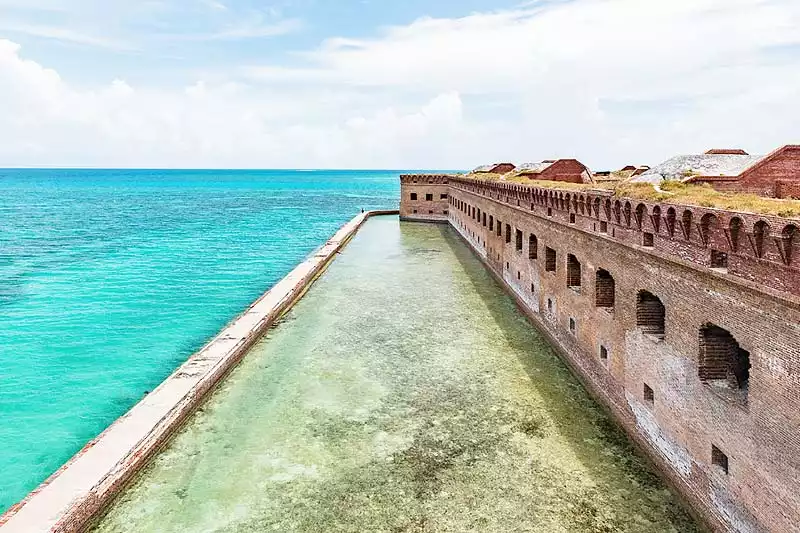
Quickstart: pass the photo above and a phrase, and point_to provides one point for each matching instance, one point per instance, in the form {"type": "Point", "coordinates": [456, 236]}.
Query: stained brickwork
{"type": "Point", "coordinates": [734, 456]}
{"type": "Point", "coordinates": [777, 174]}
{"type": "Point", "coordinates": [424, 197]}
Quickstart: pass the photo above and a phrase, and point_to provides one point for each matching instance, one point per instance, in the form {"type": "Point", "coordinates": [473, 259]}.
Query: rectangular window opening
{"type": "Point", "coordinates": [648, 394]}
{"type": "Point", "coordinates": [718, 458]}
{"type": "Point", "coordinates": [647, 239]}
{"type": "Point", "coordinates": [603, 353]}
{"type": "Point", "coordinates": [550, 260]}
{"type": "Point", "coordinates": [413, 196]}
{"type": "Point", "coordinates": [719, 259]}
{"type": "Point", "coordinates": [428, 197]}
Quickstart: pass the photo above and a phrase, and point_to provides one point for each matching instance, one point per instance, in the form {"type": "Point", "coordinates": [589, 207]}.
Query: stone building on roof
{"type": "Point", "coordinates": [496, 168]}
{"type": "Point", "coordinates": [733, 170]}
{"type": "Point", "coordinates": [566, 170]}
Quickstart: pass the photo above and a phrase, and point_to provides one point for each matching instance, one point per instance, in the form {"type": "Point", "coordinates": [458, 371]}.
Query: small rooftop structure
{"type": "Point", "coordinates": [496, 168]}
{"type": "Point", "coordinates": [726, 151]}
{"type": "Point", "coordinates": [776, 174]}
{"type": "Point", "coordinates": [566, 170]}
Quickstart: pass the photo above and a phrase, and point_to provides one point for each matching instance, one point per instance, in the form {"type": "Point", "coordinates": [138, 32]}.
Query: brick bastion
{"type": "Point", "coordinates": [684, 321]}
{"type": "Point", "coordinates": [76, 494]}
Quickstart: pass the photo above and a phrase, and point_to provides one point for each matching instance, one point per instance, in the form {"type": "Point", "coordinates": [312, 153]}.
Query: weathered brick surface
{"type": "Point", "coordinates": [776, 175]}
{"type": "Point", "coordinates": [758, 429]}
{"type": "Point", "coordinates": [424, 197]}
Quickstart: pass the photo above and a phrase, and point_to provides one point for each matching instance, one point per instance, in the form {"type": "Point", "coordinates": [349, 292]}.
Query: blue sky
{"type": "Point", "coordinates": [379, 83]}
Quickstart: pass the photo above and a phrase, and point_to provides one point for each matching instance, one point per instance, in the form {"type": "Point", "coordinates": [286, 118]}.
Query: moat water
{"type": "Point", "coordinates": [405, 392]}
{"type": "Point", "coordinates": [111, 279]}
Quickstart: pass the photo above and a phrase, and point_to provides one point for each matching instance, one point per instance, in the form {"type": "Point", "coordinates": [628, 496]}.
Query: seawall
{"type": "Point", "coordinates": [71, 498]}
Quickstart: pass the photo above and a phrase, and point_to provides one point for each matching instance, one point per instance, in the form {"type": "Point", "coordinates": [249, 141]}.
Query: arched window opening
{"type": "Point", "coordinates": [686, 224]}
{"type": "Point", "coordinates": [655, 219]}
{"type": "Point", "coordinates": [787, 240]}
{"type": "Point", "coordinates": [650, 314]}
{"type": "Point", "coordinates": [734, 230]}
{"type": "Point", "coordinates": [596, 205]}
{"type": "Point", "coordinates": [641, 210]}
{"type": "Point", "coordinates": [617, 211]}
{"type": "Point", "coordinates": [671, 218]}
{"type": "Point", "coordinates": [627, 213]}
{"type": "Point", "coordinates": [607, 208]}
{"type": "Point", "coordinates": [604, 289]}
{"type": "Point", "coordinates": [573, 272]}
{"type": "Point", "coordinates": [722, 363]}
{"type": "Point", "coordinates": [533, 247]}
{"type": "Point", "coordinates": [708, 224]}
{"type": "Point", "coordinates": [760, 233]}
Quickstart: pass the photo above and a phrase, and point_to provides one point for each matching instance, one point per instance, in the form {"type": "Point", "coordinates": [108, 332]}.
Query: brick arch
{"type": "Point", "coordinates": [582, 205]}
{"type": "Point", "coordinates": [759, 237]}
{"type": "Point", "coordinates": [639, 215]}
{"type": "Point", "coordinates": [670, 220]}
{"type": "Point", "coordinates": [626, 211]}
{"type": "Point", "coordinates": [786, 242]}
{"type": "Point", "coordinates": [575, 202]}
{"type": "Point", "coordinates": [567, 199]}
{"type": "Point", "coordinates": [733, 233]}
{"type": "Point", "coordinates": [709, 227]}
{"type": "Point", "coordinates": [617, 211]}
{"type": "Point", "coordinates": [655, 218]}
{"type": "Point", "coordinates": [608, 208]}
{"type": "Point", "coordinates": [722, 362]}
{"type": "Point", "coordinates": [686, 223]}
{"type": "Point", "coordinates": [650, 314]}
{"type": "Point", "coordinates": [596, 204]}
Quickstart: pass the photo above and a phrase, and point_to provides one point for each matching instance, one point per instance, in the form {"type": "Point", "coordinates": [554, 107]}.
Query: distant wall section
{"type": "Point", "coordinates": [424, 197]}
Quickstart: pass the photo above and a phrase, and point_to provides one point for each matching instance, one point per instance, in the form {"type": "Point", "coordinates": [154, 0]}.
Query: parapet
{"type": "Point", "coordinates": [764, 250]}
{"type": "Point", "coordinates": [422, 179]}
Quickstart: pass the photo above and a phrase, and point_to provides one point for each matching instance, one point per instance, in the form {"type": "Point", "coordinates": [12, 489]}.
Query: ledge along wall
{"type": "Point", "coordinates": [78, 492]}
{"type": "Point", "coordinates": [577, 265]}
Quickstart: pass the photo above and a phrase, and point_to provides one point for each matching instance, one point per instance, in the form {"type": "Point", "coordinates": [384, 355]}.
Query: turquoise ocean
{"type": "Point", "coordinates": [109, 279]}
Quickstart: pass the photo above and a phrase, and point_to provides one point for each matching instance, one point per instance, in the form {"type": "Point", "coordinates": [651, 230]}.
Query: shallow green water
{"type": "Point", "coordinates": [405, 392]}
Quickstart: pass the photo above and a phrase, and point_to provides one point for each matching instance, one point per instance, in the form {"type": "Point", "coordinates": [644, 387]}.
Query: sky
{"type": "Point", "coordinates": [392, 84]}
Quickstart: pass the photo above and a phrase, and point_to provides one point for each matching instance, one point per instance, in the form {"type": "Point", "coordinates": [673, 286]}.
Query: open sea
{"type": "Point", "coordinates": [109, 279]}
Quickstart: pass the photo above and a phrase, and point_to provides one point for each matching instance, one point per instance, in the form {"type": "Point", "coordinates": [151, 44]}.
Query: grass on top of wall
{"type": "Point", "coordinates": [673, 192]}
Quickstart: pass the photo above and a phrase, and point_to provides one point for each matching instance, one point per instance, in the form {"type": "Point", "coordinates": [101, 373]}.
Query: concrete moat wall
{"type": "Point", "coordinates": [661, 328]}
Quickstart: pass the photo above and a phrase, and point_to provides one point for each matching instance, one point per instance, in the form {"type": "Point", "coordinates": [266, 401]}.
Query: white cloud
{"type": "Point", "coordinates": [608, 81]}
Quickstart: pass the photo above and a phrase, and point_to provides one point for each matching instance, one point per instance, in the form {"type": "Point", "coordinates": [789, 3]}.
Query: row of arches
{"type": "Point", "coordinates": [733, 235]}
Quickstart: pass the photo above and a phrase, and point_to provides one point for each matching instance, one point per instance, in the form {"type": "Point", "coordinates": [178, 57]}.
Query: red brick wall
{"type": "Point", "coordinates": [567, 170]}
{"type": "Point", "coordinates": [755, 301]}
{"type": "Point", "coordinates": [503, 168]}
{"type": "Point", "coordinates": [421, 185]}
{"type": "Point", "coordinates": [787, 189]}
{"type": "Point", "coordinates": [783, 165]}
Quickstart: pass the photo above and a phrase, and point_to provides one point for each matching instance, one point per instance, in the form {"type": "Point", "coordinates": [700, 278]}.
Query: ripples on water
{"type": "Point", "coordinates": [110, 279]}
{"type": "Point", "coordinates": [404, 393]}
